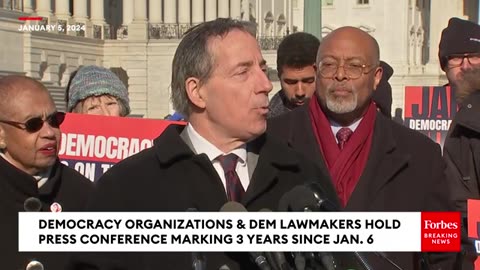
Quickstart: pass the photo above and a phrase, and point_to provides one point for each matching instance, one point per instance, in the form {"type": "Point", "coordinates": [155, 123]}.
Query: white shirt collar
{"type": "Point", "coordinates": [336, 127]}
{"type": "Point", "coordinates": [202, 145]}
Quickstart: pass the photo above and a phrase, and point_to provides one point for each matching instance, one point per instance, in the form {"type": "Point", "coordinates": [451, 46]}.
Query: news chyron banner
{"type": "Point", "coordinates": [473, 212]}
{"type": "Point", "coordinates": [239, 231]}
{"type": "Point", "coordinates": [430, 110]}
{"type": "Point", "coordinates": [91, 144]}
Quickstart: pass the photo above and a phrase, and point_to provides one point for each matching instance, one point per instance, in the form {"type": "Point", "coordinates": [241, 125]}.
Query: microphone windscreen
{"type": "Point", "coordinates": [32, 204]}
{"type": "Point", "coordinates": [300, 198]}
{"type": "Point", "coordinates": [233, 207]}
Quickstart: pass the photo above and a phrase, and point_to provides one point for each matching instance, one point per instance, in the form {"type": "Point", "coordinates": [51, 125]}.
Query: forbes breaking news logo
{"type": "Point", "coordinates": [441, 231]}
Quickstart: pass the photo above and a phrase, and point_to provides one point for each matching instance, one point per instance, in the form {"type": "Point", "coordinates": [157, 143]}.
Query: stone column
{"type": "Point", "coordinates": [27, 6]}
{"type": "Point", "coordinates": [155, 11]}
{"type": "Point", "coordinates": [44, 8]}
{"type": "Point", "coordinates": [184, 11]}
{"type": "Point", "coordinates": [128, 9]}
{"type": "Point", "coordinates": [98, 18]}
{"type": "Point", "coordinates": [140, 10]}
{"type": "Point", "coordinates": [80, 10]}
{"type": "Point", "coordinates": [81, 20]}
{"type": "Point", "coordinates": [246, 10]}
{"type": "Point", "coordinates": [97, 11]}
{"type": "Point", "coordinates": [210, 10]}
{"type": "Point", "coordinates": [170, 11]}
{"type": "Point", "coordinates": [197, 12]}
{"type": "Point", "coordinates": [235, 9]}
{"type": "Point", "coordinates": [138, 29]}
{"type": "Point", "coordinates": [62, 9]}
{"type": "Point", "coordinates": [223, 10]}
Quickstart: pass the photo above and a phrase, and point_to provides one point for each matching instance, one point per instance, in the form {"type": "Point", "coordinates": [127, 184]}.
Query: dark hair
{"type": "Point", "coordinates": [193, 58]}
{"type": "Point", "coordinates": [297, 50]}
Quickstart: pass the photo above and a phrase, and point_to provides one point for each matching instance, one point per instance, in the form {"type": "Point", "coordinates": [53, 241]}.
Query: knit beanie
{"type": "Point", "coordinates": [459, 37]}
{"type": "Point", "coordinates": [96, 81]}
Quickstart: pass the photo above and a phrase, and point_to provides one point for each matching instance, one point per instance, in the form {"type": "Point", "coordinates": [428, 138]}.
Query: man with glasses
{"type": "Point", "coordinates": [31, 177]}
{"type": "Point", "coordinates": [374, 163]}
{"type": "Point", "coordinates": [459, 53]}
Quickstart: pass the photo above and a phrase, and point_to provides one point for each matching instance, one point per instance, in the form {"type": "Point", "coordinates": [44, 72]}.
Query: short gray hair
{"type": "Point", "coordinates": [193, 58]}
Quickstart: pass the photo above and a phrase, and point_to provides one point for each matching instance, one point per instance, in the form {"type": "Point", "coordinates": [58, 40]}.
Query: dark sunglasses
{"type": "Point", "coordinates": [34, 124]}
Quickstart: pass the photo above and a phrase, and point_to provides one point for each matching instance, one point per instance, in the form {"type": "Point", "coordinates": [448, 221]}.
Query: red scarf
{"type": "Point", "coordinates": [345, 166]}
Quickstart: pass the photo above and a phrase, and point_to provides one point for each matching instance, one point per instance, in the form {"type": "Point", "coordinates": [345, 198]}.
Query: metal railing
{"type": "Point", "coordinates": [269, 42]}
{"type": "Point", "coordinates": [168, 30]}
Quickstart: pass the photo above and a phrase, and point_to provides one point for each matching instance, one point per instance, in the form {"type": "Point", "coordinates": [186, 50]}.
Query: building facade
{"type": "Point", "coordinates": [137, 38]}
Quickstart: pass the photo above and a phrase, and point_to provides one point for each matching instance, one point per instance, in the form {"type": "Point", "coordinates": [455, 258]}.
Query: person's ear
{"type": "Point", "coordinates": [194, 91]}
{"type": "Point", "coordinates": [3, 143]}
{"type": "Point", "coordinates": [378, 73]}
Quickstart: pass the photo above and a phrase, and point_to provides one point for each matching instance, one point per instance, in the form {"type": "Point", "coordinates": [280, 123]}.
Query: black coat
{"type": "Point", "coordinates": [66, 187]}
{"type": "Point", "coordinates": [171, 177]}
{"type": "Point", "coordinates": [461, 152]}
{"type": "Point", "coordinates": [404, 172]}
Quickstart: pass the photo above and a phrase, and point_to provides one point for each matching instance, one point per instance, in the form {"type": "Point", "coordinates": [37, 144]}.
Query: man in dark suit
{"type": "Point", "coordinates": [219, 85]}
{"type": "Point", "coordinates": [374, 163]}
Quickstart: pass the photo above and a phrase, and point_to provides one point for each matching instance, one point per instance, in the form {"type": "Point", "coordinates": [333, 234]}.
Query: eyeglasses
{"type": "Point", "coordinates": [456, 60]}
{"type": "Point", "coordinates": [328, 69]}
{"type": "Point", "coordinates": [34, 124]}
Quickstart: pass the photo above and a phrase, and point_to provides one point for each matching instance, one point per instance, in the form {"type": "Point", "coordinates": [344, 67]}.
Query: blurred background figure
{"type": "Point", "coordinates": [382, 96]}
{"type": "Point", "coordinates": [296, 57]}
{"type": "Point", "coordinates": [176, 116]}
{"type": "Point", "coordinates": [97, 90]}
{"type": "Point", "coordinates": [31, 176]}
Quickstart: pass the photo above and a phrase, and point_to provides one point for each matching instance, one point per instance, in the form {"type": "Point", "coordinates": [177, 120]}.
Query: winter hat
{"type": "Point", "coordinates": [459, 37]}
{"type": "Point", "coordinates": [383, 94]}
{"type": "Point", "coordinates": [96, 81]}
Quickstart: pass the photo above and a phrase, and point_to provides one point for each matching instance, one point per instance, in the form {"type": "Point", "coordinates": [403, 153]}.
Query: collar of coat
{"type": "Point", "coordinates": [468, 115]}
{"type": "Point", "coordinates": [25, 185]}
{"type": "Point", "coordinates": [264, 146]}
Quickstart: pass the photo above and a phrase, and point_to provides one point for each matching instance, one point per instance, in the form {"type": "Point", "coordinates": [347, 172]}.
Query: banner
{"type": "Point", "coordinates": [473, 217]}
{"type": "Point", "coordinates": [430, 110]}
{"type": "Point", "coordinates": [91, 144]}
{"type": "Point", "coordinates": [239, 231]}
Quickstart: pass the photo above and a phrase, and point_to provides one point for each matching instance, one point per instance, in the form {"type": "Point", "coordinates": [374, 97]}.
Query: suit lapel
{"type": "Point", "coordinates": [264, 167]}
{"type": "Point", "coordinates": [385, 160]}
{"type": "Point", "coordinates": [303, 139]}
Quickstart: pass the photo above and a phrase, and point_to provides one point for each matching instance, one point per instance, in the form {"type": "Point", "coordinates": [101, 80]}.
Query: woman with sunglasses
{"type": "Point", "coordinates": [31, 176]}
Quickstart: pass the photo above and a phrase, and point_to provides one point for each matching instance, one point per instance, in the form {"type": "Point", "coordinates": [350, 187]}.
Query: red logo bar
{"type": "Point", "coordinates": [441, 231]}
{"type": "Point", "coordinates": [30, 18]}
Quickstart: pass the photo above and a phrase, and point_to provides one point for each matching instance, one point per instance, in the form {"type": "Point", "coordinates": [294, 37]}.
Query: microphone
{"type": "Point", "coordinates": [232, 206]}
{"type": "Point", "coordinates": [199, 262]}
{"type": "Point", "coordinates": [306, 198]}
{"type": "Point", "coordinates": [277, 257]}
{"type": "Point", "coordinates": [257, 257]}
{"type": "Point", "coordinates": [32, 204]}
{"type": "Point", "coordinates": [310, 197]}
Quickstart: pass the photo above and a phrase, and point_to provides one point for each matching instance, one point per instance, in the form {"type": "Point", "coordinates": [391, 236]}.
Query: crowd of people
{"type": "Point", "coordinates": [330, 123]}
